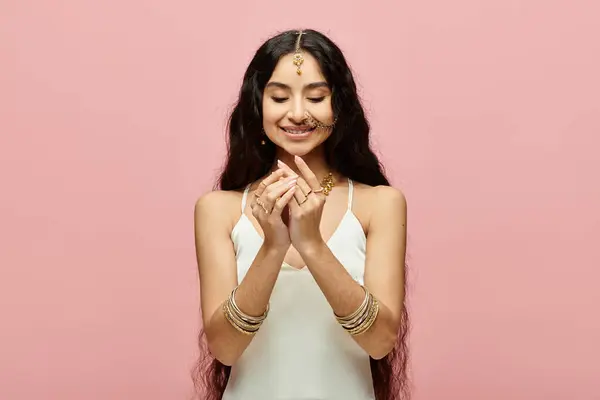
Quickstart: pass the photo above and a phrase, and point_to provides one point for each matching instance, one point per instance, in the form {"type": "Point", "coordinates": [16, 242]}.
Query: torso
{"type": "Point", "coordinates": [334, 211]}
{"type": "Point", "coordinates": [301, 352]}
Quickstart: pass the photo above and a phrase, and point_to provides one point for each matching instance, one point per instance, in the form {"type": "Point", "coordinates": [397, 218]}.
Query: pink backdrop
{"type": "Point", "coordinates": [487, 114]}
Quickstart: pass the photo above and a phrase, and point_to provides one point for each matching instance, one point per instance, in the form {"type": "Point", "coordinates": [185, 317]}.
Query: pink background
{"type": "Point", "coordinates": [487, 114]}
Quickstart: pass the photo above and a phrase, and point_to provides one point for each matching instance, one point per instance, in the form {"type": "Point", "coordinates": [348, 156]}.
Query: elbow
{"type": "Point", "coordinates": [219, 351]}
{"type": "Point", "coordinates": [383, 349]}
{"type": "Point", "coordinates": [385, 344]}
{"type": "Point", "coordinates": [222, 357]}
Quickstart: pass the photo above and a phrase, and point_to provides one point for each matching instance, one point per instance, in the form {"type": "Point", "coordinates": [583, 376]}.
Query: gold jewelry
{"type": "Point", "coordinates": [303, 201]}
{"type": "Point", "coordinates": [363, 318]}
{"type": "Point", "coordinates": [298, 58]}
{"type": "Point", "coordinates": [260, 203]}
{"type": "Point", "coordinates": [351, 318]}
{"type": "Point", "coordinates": [242, 322]}
{"type": "Point", "coordinates": [315, 123]}
{"type": "Point", "coordinates": [366, 325]}
{"type": "Point", "coordinates": [245, 317]}
{"type": "Point", "coordinates": [326, 184]}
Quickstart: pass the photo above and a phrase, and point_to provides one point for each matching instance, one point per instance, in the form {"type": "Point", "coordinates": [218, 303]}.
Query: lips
{"type": "Point", "coordinates": [297, 130]}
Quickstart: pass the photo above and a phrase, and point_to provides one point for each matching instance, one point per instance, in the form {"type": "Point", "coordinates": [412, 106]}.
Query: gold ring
{"type": "Point", "coordinates": [318, 190]}
{"type": "Point", "coordinates": [260, 203]}
{"type": "Point", "coordinates": [309, 192]}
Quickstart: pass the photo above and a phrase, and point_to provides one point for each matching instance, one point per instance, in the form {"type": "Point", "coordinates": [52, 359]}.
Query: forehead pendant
{"type": "Point", "coordinates": [298, 58]}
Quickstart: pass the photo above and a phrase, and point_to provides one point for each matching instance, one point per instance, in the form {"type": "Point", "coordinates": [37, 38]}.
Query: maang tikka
{"type": "Point", "coordinates": [298, 58]}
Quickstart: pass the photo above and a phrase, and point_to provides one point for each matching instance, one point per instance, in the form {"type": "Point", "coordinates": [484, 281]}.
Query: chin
{"type": "Point", "coordinates": [299, 150]}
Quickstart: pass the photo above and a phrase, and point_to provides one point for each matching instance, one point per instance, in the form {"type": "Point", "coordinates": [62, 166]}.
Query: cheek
{"type": "Point", "coordinates": [272, 113]}
{"type": "Point", "coordinates": [323, 112]}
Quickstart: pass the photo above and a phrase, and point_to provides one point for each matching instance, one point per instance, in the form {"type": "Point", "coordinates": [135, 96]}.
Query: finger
{"type": "Point", "coordinates": [275, 191]}
{"type": "Point", "coordinates": [303, 191]}
{"type": "Point", "coordinates": [257, 210]}
{"type": "Point", "coordinates": [307, 174]}
{"type": "Point", "coordinates": [294, 206]}
{"type": "Point", "coordinates": [269, 180]}
{"type": "Point", "coordinates": [283, 200]}
{"type": "Point", "coordinates": [304, 187]}
{"type": "Point", "coordinates": [299, 194]}
{"type": "Point", "coordinates": [286, 168]}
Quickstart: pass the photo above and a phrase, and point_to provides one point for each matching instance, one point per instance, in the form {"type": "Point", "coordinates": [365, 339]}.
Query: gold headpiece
{"type": "Point", "coordinates": [298, 58]}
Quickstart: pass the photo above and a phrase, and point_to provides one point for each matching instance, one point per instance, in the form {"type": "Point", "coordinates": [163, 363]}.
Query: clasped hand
{"type": "Point", "coordinates": [298, 200]}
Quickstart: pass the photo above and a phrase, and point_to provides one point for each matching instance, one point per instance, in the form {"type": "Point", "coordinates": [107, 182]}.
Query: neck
{"type": "Point", "coordinates": [315, 161]}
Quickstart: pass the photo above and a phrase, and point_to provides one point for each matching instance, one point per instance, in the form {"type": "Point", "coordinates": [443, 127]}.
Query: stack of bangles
{"type": "Point", "coordinates": [244, 323]}
{"type": "Point", "coordinates": [363, 318]}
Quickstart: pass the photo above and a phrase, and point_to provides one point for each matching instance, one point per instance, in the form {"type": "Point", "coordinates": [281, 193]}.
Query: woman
{"type": "Point", "coordinates": [301, 252]}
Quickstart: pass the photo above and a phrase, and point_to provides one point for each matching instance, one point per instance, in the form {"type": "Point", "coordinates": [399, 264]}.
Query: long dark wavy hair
{"type": "Point", "coordinates": [347, 152]}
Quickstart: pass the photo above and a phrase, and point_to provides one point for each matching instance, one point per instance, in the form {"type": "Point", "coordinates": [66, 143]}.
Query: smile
{"type": "Point", "coordinates": [298, 133]}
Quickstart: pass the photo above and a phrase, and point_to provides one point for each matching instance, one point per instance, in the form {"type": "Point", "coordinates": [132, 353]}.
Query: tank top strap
{"type": "Point", "coordinates": [245, 197]}
{"type": "Point", "coordinates": [350, 193]}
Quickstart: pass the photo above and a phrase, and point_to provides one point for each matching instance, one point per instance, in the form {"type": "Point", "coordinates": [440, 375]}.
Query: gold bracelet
{"type": "Point", "coordinates": [356, 314]}
{"type": "Point", "coordinates": [373, 313]}
{"type": "Point", "coordinates": [232, 322]}
{"type": "Point", "coordinates": [245, 317]}
{"type": "Point", "coordinates": [241, 321]}
{"type": "Point", "coordinates": [359, 320]}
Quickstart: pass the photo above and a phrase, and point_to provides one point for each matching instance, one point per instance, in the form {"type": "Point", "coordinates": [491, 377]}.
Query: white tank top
{"type": "Point", "coordinates": [301, 352]}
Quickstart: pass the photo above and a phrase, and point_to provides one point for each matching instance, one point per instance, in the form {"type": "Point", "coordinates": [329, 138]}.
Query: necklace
{"type": "Point", "coordinates": [327, 184]}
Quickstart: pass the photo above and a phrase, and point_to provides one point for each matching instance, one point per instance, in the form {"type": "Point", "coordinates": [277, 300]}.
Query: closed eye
{"type": "Point", "coordinates": [278, 99]}
{"type": "Point", "coordinates": [316, 99]}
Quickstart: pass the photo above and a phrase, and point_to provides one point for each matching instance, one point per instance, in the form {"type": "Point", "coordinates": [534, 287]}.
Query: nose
{"type": "Point", "coordinates": [297, 113]}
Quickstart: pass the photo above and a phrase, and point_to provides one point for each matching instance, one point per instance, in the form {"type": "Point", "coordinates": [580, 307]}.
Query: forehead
{"type": "Point", "coordinates": [286, 72]}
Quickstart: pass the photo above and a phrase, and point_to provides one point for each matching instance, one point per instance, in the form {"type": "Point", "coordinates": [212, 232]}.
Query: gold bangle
{"type": "Point", "coordinates": [359, 311]}
{"type": "Point", "coordinates": [373, 313]}
{"type": "Point", "coordinates": [241, 321]}
{"type": "Point", "coordinates": [231, 321]}
{"type": "Point", "coordinates": [243, 316]}
{"type": "Point", "coordinates": [359, 320]}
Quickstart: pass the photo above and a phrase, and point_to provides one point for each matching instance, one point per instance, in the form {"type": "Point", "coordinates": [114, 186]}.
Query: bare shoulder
{"type": "Point", "coordinates": [220, 207]}
{"type": "Point", "coordinates": [372, 202]}
{"type": "Point", "coordinates": [388, 196]}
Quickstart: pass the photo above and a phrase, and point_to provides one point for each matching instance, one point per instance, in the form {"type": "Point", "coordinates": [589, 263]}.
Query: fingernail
{"type": "Point", "coordinates": [292, 182]}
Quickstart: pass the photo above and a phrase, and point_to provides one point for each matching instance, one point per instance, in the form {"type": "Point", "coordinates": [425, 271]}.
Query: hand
{"type": "Point", "coordinates": [270, 198]}
{"type": "Point", "coordinates": [307, 209]}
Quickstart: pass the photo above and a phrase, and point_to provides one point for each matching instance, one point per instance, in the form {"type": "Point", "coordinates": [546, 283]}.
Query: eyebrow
{"type": "Point", "coordinates": [309, 86]}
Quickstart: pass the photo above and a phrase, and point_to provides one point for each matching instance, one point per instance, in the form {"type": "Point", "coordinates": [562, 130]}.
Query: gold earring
{"type": "Point", "coordinates": [298, 58]}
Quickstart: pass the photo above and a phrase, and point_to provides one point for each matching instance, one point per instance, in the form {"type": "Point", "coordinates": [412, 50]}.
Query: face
{"type": "Point", "coordinates": [289, 102]}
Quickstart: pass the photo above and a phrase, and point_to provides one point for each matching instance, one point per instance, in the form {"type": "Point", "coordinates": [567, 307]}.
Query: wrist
{"type": "Point", "coordinates": [310, 250]}
{"type": "Point", "coordinates": [275, 249]}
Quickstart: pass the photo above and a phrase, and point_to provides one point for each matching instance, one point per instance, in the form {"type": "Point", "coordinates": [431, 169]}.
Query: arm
{"type": "Point", "coordinates": [384, 272]}
{"type": "Point", "coordinates": [218, 277]}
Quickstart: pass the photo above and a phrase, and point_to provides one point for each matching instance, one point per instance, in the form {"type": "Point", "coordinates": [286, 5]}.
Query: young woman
{"type": "Point", "coordinates": [301, 251]}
